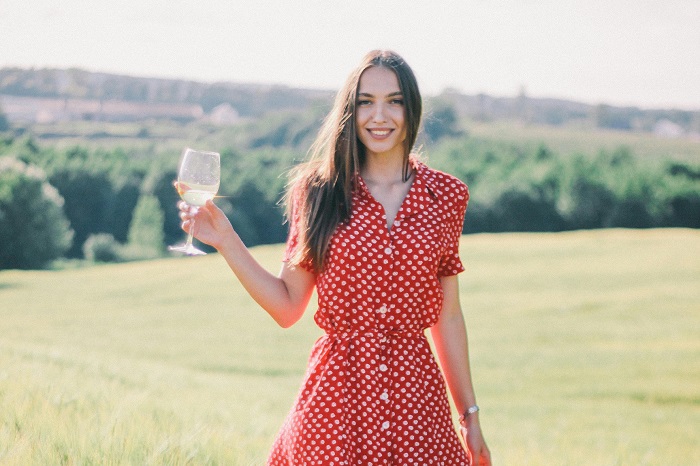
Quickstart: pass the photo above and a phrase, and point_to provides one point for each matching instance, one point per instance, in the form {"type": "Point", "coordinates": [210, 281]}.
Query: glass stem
{"type": "Point", "coordinates": [190, 235]}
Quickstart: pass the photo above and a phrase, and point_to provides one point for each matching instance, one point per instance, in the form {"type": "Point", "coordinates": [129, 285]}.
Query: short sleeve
{"type": "Point", "coordinates": [293, 244]}
{"type": "Point", "coordinates": [450, 262]}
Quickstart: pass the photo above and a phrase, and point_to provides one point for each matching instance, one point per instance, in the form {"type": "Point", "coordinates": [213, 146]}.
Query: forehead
{"type": "Point", "coordinates": [379, 80]}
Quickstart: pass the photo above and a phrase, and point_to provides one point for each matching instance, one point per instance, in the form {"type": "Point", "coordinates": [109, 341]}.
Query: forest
{"type": "Point", "coordinates": [101, 191]}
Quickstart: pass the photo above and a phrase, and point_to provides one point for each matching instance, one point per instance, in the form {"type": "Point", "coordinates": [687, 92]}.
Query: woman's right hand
{"type": "Point", "coordinates": [211, 226]}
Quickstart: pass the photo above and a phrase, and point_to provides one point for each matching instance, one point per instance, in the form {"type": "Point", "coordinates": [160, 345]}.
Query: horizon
{"type": "Point", "coordinates": [318, 89]}
{"type": "Point", "coordinates": [626, 54]}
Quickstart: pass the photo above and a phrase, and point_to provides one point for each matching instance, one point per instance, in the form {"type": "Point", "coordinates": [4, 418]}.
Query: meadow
{"type": "Point", "coordinates": [585, 348]}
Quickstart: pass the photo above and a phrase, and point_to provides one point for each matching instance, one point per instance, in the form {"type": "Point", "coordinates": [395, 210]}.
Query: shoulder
{"type": "Point", "coordinates": [443, 185]}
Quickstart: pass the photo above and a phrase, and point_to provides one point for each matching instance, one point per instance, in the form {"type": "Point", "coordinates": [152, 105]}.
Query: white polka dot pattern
{"type": "Point", "coordinates": [373, 393]}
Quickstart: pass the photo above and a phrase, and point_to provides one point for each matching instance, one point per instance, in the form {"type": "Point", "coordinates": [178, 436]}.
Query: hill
{"type": "Point", "coordinates": [41, 95]}
{"type": "Point", "coordinates": [86, 95]}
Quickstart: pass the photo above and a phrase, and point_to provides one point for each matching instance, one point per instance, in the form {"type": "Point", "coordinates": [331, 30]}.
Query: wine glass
{"type": "Point", "coordinates": [197, 181]}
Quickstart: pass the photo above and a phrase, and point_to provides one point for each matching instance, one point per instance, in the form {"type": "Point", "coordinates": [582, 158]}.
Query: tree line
{"type": "Point", "coordinates": [115, 205]}
{"type": "Point", "coordinates": [536, 189]}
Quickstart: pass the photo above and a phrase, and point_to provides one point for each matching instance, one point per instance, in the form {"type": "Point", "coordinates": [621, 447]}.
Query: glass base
{"type": "Point", "coordinates": [188, 249]}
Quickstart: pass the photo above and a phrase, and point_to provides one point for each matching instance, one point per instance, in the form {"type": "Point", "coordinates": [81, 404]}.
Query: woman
{"type": "Point", "coordinates": [376, 232]}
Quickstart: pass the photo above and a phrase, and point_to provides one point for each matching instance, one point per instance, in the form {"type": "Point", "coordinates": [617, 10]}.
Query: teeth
{"type": "Point", "coordinates": [380, 133]}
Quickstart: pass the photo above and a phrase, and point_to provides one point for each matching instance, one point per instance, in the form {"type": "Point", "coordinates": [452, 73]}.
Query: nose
{"type": "Point", "coordinates": [378, 115]}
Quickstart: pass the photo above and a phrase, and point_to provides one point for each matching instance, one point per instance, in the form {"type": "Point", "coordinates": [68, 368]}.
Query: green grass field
{"type": "Point", "coordinates": [585, 347]}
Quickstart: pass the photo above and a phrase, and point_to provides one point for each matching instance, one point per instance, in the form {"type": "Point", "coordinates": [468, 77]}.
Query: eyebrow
{"type": "Point", "coordinates": [393, 94]}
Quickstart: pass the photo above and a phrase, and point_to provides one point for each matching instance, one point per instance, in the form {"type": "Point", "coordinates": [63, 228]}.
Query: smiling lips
{"type": "Point", "coordinates": [379, 133]}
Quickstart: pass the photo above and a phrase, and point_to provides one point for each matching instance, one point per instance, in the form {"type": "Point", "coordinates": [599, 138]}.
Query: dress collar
{"type": "Point", "coordinates": [421, 194]}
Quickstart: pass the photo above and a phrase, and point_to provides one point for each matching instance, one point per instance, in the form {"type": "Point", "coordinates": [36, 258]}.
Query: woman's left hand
{"type": "Point", "coordinates": [479, 452]}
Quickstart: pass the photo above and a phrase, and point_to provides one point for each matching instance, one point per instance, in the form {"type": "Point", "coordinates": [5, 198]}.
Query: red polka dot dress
{"type": "Point", "coordinates": [373, 393]}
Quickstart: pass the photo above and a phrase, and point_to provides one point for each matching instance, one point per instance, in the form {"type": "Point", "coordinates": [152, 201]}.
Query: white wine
{"type": "Point", "coordinates": [197, 194]}
{"type": "Point", "coordinates": [197, 182]}
{"type": "Point", "coordinates": [198, 198]}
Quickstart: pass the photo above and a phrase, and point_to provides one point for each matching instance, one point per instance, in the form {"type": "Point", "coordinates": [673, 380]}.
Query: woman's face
{"type": "Point", "coordinates": [379, 113]}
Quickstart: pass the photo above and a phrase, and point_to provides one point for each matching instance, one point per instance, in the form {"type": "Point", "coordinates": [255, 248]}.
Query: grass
{"type": "Point", "coordinates": [584, 345]}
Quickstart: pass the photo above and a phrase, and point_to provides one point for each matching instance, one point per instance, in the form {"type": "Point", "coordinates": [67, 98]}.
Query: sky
{"type": "Point", "coordinates": [643, 53]}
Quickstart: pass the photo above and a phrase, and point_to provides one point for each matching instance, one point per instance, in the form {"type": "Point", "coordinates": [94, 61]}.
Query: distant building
{"type": "Point", "coordinates": [224, 114]}
{"type": "Point", "coordinates": [667, 129]}
{"type": "Point", "coordinates": [49, 110]}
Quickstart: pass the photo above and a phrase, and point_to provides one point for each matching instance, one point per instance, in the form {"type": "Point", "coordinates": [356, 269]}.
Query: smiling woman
{"type": "Point", "coordinates": [376, 233]}
{"type": "Point", "coordinates": [380, 112]}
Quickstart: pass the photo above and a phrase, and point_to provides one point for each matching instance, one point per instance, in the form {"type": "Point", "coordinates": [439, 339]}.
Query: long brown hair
{"type": "Point", "coordinates": [319, 195]}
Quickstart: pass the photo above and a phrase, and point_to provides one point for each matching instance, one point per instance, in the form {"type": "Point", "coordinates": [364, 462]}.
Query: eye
{"type": "Point", "coordinates": [363, 102]}
{"type": "Point", "coordinates": [397, 101]}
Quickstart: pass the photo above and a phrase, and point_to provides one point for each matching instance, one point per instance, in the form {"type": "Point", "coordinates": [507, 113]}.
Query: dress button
{"type": "Point", "coordinates": [382, 310]}
{"type": "Point", "coordinates": [384, 396]}
{"type": "Point", "coordinates": [382, 367]}
{"type": "Point", "coordinates": [385, 425]}
{"type": "Point", "coordinates": [388, 250]}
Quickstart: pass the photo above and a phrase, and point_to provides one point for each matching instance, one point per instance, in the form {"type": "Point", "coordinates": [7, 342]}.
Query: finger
{"type": "Point", "coordinates": [185, 225]}
{"type": "Point", "coordinates": [187, 215]}
{"type": "Point", "coordinates": [485, 454]}
{"type": "Point", "coordinates": [211, 209]}
{"type": "Point", "coordinates": [210, 206]}
{"type": "Point", "coordinates": [180, 186]}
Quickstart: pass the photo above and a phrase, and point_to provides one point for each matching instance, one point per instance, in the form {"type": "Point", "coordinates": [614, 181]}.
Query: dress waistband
{"type": "Point", "coordinates": [381, 334]}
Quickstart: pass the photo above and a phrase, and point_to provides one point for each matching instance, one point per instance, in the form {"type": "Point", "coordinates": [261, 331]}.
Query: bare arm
{"type": "Point", "coordinates": [284, 297]}
{"type": "Point", "coordinates": [450, 339]}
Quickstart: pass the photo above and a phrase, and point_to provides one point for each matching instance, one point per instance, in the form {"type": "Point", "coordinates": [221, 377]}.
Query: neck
{"type": "Point", "coordinates": [382, 169]}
